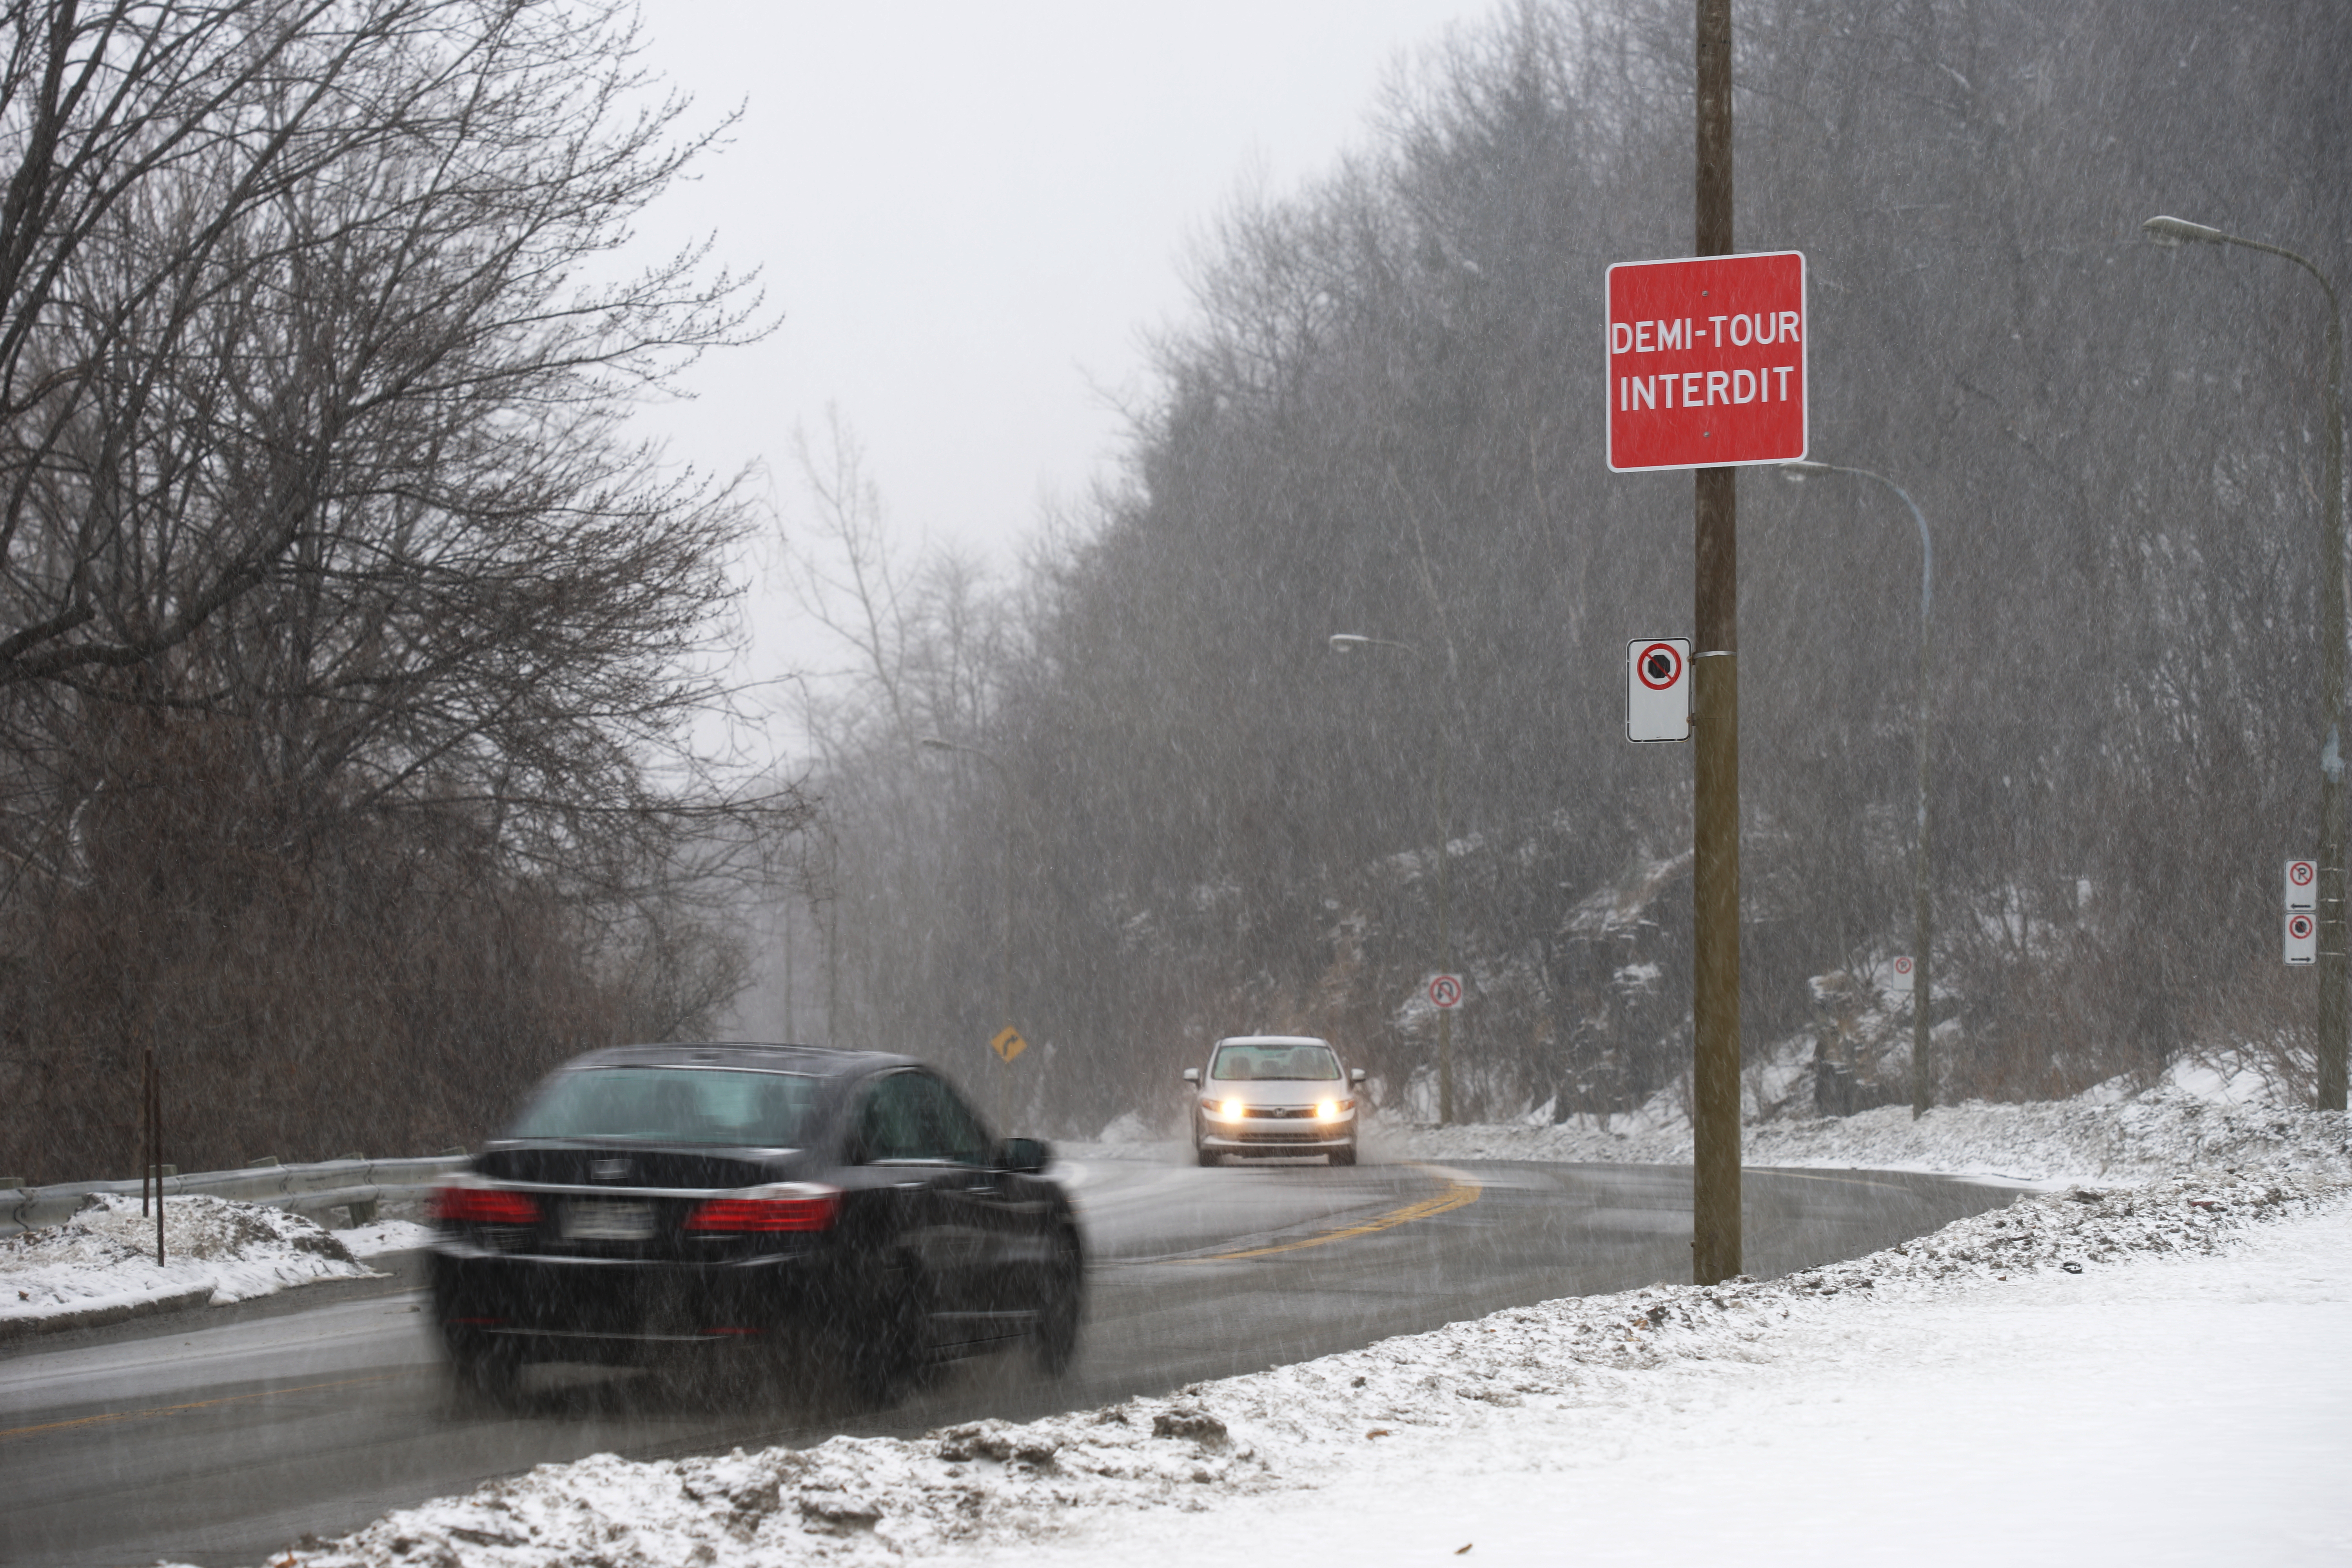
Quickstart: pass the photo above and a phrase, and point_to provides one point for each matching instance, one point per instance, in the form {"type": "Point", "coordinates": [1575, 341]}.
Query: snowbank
{"type": "Point", "coordinates": [2197, 1115]}
{"type": "Point", "coordinates": [1441, 1404]}
{"type": "Point", "coordinates": [2141, 1139]}
{"type": "Point", "coordinates": [99, 1266]}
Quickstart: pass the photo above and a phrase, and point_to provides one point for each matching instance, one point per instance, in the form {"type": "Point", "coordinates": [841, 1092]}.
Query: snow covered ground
{"type": "Point", "coordinates": [2197, 1115]}
{"type": "Point", "coordinates": [2145, 1370]}
{"type": "Point", "coordinates": [2141, 1138]}
{"type": "Point", "coordinates": [99, 1266]}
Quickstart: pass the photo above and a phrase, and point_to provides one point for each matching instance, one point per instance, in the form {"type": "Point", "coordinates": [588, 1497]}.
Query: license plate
{"type": "Point", "coordinates": [608, 1222]}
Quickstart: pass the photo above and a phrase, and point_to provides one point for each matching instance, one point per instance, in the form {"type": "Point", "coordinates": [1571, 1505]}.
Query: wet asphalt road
{"type": "Point", "coordinates": [216, 1436]}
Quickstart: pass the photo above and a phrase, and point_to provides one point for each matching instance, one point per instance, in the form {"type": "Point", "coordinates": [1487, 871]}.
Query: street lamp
{"type": "Point", "coordinates": [1922, 925]}
{"type": "Point", "coordinates": [1349, 642]}
{"type": "Point", "coordinates": [1005, 782]}
{"type": "Point", "coordinates": [2333, 1016]}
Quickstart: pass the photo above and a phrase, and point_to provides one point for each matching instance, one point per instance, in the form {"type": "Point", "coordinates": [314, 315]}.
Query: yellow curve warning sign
{"type": "Point", "coordinates": [1008, 1043]}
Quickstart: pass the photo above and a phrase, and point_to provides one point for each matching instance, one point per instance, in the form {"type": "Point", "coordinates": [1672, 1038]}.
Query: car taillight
{"type": "Point", "coordinates": [798, 1208]}
{"type": "Point", "coordinates": [483, 1206]}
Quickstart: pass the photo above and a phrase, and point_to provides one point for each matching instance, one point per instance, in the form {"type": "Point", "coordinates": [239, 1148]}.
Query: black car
{"type": "Point", "coordinates": [835, 1208]}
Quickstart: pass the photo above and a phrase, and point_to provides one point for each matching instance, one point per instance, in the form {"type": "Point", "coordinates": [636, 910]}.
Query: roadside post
{"type": "Point", "coordinates": [151, 1165]}
{"type": "Point", "coordinates": [1006, 1043]}
{"type": "Point", "coordinates": [1705, 359]}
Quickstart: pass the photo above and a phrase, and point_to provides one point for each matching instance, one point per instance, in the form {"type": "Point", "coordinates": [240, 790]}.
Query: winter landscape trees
{"type": "Point", "coordinates": [1384, 418]}
{"type": "Point", "coordinates": [347, 642]}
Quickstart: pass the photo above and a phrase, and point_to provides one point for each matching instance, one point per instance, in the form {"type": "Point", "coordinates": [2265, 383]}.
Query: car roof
{"type": "Point", "coordinates": [1274, 1040]}
{"type": "Point", "coordinates": [815, 1061]}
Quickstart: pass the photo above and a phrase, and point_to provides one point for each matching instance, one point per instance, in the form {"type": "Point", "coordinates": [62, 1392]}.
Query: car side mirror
{"type": "Point", "coordinates": [1193, 1077]}
{"type": "Point", "coordinates": [1356, 1077]}
{"type": "Point", "coordinates": [1024, 1156]}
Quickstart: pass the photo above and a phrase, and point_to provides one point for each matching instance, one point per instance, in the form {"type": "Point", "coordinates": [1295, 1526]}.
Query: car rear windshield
{"type": "Point", "coordinates": [1313, 1063]}
{"type": "Point", "coordinates": [725, 1107]}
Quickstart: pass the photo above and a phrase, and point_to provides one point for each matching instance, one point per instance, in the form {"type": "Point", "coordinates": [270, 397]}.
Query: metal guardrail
{"type": "Point", "coordinates": [306, 1189]}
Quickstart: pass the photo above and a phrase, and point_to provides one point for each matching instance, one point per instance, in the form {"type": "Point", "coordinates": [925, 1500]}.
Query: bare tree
{"type": "Point", "coordinates": [333, 599]}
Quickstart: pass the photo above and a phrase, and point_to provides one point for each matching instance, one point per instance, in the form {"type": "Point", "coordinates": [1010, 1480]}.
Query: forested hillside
{"type": "Point", "coordinates": [1384, 418]}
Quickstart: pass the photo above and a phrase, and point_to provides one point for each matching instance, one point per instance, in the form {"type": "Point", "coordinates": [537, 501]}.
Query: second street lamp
{"type": "Point", "coordinates": [2335, 1013]}
{"type": "Point", "coordinates": [1349, 642]}
{"type": "Point", "coordinates": [1923, 1083]}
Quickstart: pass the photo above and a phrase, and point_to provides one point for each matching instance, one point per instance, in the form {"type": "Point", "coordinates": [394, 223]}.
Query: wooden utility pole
{"type": "Point", "coordinates": [1715, 700]}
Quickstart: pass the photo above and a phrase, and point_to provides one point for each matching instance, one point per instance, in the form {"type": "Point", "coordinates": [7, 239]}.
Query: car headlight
{"type": "Point", "coordinates": [1329, 1110]}
{"type": "Point", "coordinates": [1226, 1111]}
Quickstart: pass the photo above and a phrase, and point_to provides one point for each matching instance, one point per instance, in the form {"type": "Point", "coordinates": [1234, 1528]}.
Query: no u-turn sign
{"type": "Point", "coordinates": [1707, 362]}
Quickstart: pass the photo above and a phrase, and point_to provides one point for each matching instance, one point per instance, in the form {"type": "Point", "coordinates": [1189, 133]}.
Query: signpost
{"type": "Point", "coordinates": [2301, 924]}
{"type": "Point", "coordinates": [1657, 689]}
{"type": "Point", "coordinates": [1707, 362]}
{"type": "Point", "coordinates": [1008, 1044]}
{"type": "Point", "coordinates": [1904, 976]}
{"type": "Point", "coordinates": [1705, 369]}
{"type": "Point", "coordinates": [1445, 991]}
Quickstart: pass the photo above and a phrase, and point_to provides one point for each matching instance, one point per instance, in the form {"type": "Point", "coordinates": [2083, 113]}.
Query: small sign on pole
{"type": "Point", "coordinates": [2302, 938]}
{"type": "Point", "coordinates": [1445, 991]}
{"type": "Point", "coordinates": [1657, 689]}
{"type": "Point", "coordinates": [1900, 980]}
{"type": "Point", "coordinates": [1008, 1044]}
{"type": "Point", "coordinates": [2303, 884]}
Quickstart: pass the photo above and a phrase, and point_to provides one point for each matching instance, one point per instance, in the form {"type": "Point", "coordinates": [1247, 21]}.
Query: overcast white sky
{"type": "Point", "coordinates": [972, 214]}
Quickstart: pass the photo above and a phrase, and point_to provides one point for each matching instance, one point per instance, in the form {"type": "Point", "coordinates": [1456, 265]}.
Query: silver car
{"type": "Point", "coordinates": [1275, 1095]}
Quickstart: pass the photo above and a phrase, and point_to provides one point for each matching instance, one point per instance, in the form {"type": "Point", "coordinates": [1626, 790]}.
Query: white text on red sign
{"type": "Point", "coordinates": [1705, 388]}
{"type": "Point", "coordinates": [1707, 362]}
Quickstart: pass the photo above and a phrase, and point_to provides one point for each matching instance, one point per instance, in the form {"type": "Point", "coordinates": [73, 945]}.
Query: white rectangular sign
{"type": "Point", "coordinates": [1898, 976]}
{"type": "Point", "coordinates": [1657, 689]}
{"type": "Point", "coordinates": [2302, 938]}
{"type": "Point", "coordinates": [2303, 884]}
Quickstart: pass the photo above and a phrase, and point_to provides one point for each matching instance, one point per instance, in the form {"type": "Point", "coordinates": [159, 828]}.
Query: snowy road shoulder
{"type": "Point", "coordinates": [99, 1266]}
{"type": "Point", "coordinates": [2180, 1406]}
{"type": "Point", "coordinates": [1575, 1385]}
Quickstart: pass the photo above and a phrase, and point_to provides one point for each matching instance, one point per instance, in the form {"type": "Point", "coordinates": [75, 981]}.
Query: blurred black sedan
{"type": "Point", "coordinates": [841, 1210]}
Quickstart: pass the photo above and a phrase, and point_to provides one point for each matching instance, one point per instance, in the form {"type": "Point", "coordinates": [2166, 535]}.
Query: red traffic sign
{"type": "Point", "coordinates": [1707, 362]}
{"type": "Point", "coordinates": [1445, 991]}
{"type": "Point", "coordinates": [1659, 665]}
{"type": "Point", "coordinates": [2303, 884]}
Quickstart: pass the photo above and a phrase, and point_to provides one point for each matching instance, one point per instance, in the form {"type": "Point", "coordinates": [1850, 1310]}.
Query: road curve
{"type": "Point", "coordinates": [214, 1437]}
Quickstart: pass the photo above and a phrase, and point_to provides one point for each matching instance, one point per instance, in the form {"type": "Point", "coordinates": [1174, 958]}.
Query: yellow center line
{"type": "Point", "coordinates": [1456, 1194]}
{"type": "Point", "coordinates": [191, 1404]}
